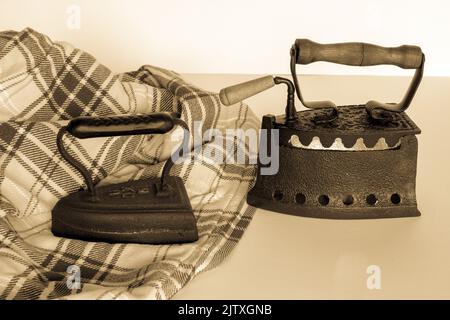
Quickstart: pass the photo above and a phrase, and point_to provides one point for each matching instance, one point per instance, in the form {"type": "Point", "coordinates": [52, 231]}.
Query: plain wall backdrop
{"type": "Point", "coordinates": [234, 36]}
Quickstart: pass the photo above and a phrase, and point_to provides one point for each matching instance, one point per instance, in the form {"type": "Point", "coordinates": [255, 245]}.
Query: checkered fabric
{"type": "Point", "coordinates": [43, 84]}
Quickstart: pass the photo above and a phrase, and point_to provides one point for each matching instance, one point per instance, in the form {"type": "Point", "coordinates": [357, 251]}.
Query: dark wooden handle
{"type": "Point", "coordinates": [358, 54]}
{"type": "Point", "coordinates": [92, 127]}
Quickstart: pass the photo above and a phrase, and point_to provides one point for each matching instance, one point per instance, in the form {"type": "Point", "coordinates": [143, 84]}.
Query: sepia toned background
{"type": "Point", "coordinates": [233, 36]}
{"type": "Point", "coordinates": [216, 44]}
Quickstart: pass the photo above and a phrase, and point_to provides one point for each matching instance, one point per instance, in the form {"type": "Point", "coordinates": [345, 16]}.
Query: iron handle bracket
{"type": "Point", "coordinates": [408, 57]}
{"type": "Point", "coordinates": [90, 127]}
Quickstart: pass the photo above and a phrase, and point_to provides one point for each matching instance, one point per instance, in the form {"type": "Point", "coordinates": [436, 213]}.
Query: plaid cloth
{"type": "Point", "coordinates": [43, 84]}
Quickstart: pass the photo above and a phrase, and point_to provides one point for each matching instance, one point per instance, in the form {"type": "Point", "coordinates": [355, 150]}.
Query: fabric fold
{"type": "Point", "coordinates": [44, 83]}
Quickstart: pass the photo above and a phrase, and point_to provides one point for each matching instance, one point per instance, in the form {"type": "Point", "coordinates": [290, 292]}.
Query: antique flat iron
{"type": "Point", "coordinates": [347, 162]}
{"type": "Point", "coordinates": [152, 211]}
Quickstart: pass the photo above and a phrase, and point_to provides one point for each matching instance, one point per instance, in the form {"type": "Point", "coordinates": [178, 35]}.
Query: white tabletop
{"type": "Point", "coordinates": [289, 257]}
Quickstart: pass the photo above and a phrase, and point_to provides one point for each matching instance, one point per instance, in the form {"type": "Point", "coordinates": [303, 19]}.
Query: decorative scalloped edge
{"type": "Point", "coordinates": [359, 144]}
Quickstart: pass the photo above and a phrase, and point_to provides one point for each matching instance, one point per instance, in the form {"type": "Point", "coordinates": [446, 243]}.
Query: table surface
{"type": "Point", "coordinates": [288, 257]}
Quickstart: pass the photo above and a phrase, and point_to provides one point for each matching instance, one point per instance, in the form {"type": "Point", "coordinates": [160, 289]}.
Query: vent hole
{"type": "Point", "coordinates": [277, 195]}
{"type": "Point", "coordinates": [372, 199]}
{"type": "Point", "coordinates": [324, 200]}
{"type": "Point", "coordinates": [348, 200]}
{"type": "Point", "coordinates": [300, 198]}
{"type": "Point", "coordinates": [395, 198]}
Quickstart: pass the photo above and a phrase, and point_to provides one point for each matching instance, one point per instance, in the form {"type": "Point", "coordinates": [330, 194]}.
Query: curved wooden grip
{"type": "Point", "coordinates": [358, 54]}
{"type": "Point", "coordinates": [241, 91]}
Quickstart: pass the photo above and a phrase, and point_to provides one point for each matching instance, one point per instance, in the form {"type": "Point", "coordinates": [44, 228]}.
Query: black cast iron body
{"type": "Point", "coordinates": [152, 211]}
{"type": "Point", "coordinates": [341, 184]}
{"type": "Point", "coordinates": [133, 211]}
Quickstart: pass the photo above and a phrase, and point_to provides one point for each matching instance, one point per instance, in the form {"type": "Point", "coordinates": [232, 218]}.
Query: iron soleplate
{"type": "Point", "coordinates": [134, 212]}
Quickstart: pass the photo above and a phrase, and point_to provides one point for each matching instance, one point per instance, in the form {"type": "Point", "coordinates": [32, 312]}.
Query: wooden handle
{"type": "Point", "coordinates": [92, 127]}
{"type": "Point", "coordinates": [241, 91]}
{"type": "Point", "coordinates": [358, 54]}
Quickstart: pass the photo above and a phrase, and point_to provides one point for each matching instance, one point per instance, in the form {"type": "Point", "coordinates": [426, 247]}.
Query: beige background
{"type": "Point", "coordinates": [233, 36]}
{"type": "Point", "coordinates": [282, 256]}
{"type": "Point", "coordinates": [287, 257]}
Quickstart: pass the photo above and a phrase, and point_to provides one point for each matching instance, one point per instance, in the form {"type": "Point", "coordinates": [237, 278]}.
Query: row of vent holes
{"type": "Point", "coordinates": [324, 200]}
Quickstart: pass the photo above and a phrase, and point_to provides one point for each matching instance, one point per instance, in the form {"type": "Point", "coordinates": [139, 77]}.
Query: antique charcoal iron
{"type": "Point", "coordinates": [152, 211]}
{"type": "Point", "coordinates": [347, 162]}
